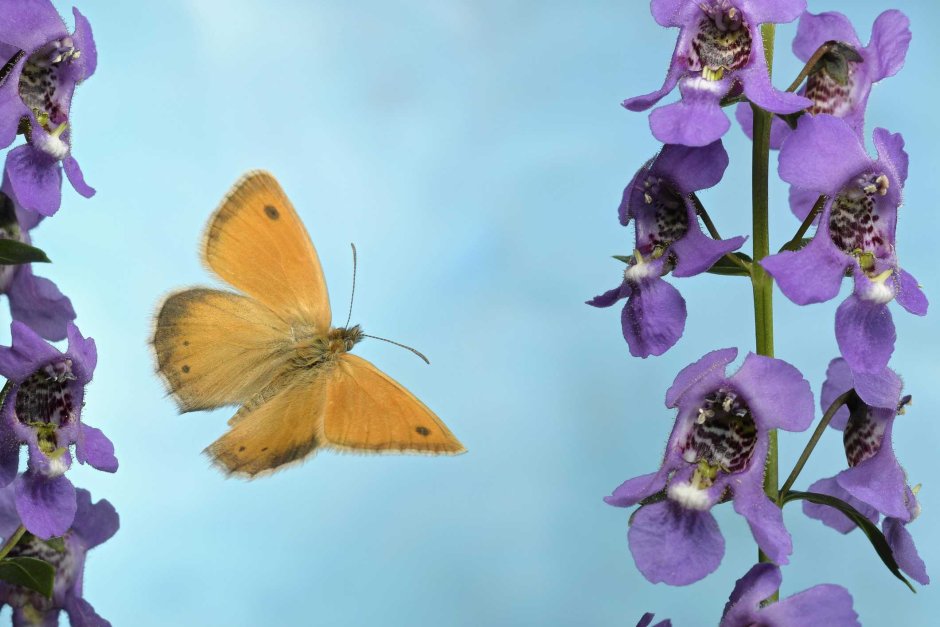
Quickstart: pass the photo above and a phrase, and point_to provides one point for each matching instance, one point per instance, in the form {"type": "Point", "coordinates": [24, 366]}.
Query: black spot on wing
{"type": "Point", "coordinates": [271, 212]}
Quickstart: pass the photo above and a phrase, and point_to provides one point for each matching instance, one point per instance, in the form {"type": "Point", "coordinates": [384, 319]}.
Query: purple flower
{"type": "Point", "coordinates": [717, 450]}
{"type": "Point", "coordinates": [647, 619]}
{"type": "Point", "coordinates": [42, 409]}
{"type": "Point", "coordinates": [825, 604]}
{"type": "Point", "coordinates": [668, 238]}
{"type": "Point", "coordinates": [35, 301]}
{"type": "Point", "coordinates": [94, 524]}
{"type": "Point", "coordinates": [842, 97]}
{"type": "Point", "coordinates": [856, 233]}
{"type": "Point", "coordinates": [48, 64]}
{"type": "Point", "coordinates": [719, 52]}
{"type": "Point", "coordinates": [874, 482]}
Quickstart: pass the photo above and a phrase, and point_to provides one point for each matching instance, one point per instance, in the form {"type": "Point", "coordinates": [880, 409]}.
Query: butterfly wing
{"type": "Point", "coordinates": [280, 431]}
{"type": "Point", "coordinates": [216, 348]}
{"type": "Point", "coordinates": [368, 411]}
{"type": "Point", "coordinates": [256, 242]}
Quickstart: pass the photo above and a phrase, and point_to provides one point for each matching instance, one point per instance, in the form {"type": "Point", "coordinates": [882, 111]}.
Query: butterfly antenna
{"type": "Point", "coordinates": [416, 352]}
{"type": "Point", "coordinates": [353, 295]}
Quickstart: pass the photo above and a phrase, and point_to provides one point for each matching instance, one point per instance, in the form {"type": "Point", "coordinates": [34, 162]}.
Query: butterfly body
{"type": "Point", "coordinates": [272, 350]}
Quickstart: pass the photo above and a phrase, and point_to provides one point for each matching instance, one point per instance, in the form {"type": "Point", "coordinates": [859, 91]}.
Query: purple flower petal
{"type": "Point", "coordinates": [76, 178]}
{"type": "Point", "coordinates": [879, 480]}
{"type": "Point", "coordinates": [815, 30]}
{"type": "Point", "coordinates": [675, 545]}
{"type": "Point", "coordinates": [776, 392]}
{"type": "Point", "coordinates": [760, 91]}
{"type": "Point", "coordinates": [672, 12]}
{"type": "Point", "coordinates": [825, 604]}
{"type": "Point", "coordinates": [890, 39]}
{"type": "Point", "coordinates": [697, 119]}
{"type": "Point", "coordinates": [84, 353]}
{"type": "Point", "coordinates": [779, 130]}
{"type": "Point", "coordinates": [802, 202]}
{"type": "Point", "coordinates": [761, 581]}
{"type": "Point", "coordinates": [632, 491]}
{"type": "Point", "coordinates": [704, 374]}
{"type": "Point", "coordinates": [12, 107]}
{"type": "Point", "coordinates": [812, 274]}
{"type": "Point", "coordinates": [35, 178]}
{"type": "Point", "coordinates": [893, 157]}
{"type": "Point", "coordinates": [677, 66]}
{"type": "Point", "coordinates": [880, 389]}
{"type": "Point", "coordinates": [763, 516]}
{"type": "Point", "coordinates": [691, 169]}
{"type": "Point", "coordinates": [85, 43]}
{"type": "Point", "coordinates": [822, 154]}
{"type": "Point", "coordinates": [29, 25]}
{"type": "Point", "coordinates": [27, 353]}
{"type": "Point", "coordinates": [94, 523]}
{"type": "Point", "coordinates": [696, 253]}
{"type": "Point", "coordinates": [830, 516]}
{"type": "Point", "coordinates": [865, 334]}
{"type": "Point", "coordinates": [38, 303]}
{"type": "Point", "coordinates": [909, 294]}
{"type": "Point", "coordinates": [9, 450]}
{"type": "Point", "coordinates": [610, 297]}
{"type": "Point", "coordinates": [654, 318]}
{"type": "Point", "coordinates": [776, 11]}
{"type": "Point", "coordinates": [82, 614]}
{"type": "Point", "coordinates": [905, 553]}
{"type": "Point", "coordinates": [9, 520]}
{"type": "Point", "coordinates": [95, 449]}
{"type": "Point", "coordinates": [45, 505]}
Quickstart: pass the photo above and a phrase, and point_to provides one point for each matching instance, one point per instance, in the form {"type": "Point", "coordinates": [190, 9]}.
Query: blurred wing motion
{"type": "Point", "coordinates": [271, 350]}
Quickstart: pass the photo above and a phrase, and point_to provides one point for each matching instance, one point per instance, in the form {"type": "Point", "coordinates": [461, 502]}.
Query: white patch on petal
{"type": "Point", "coordinates": [641, 270]}
{"type": "Point", "coordinates": [57, 466]}
{"type": "Point", "coordinates": [877, 289]}
{"type": "Point", "coordinates": [55, 147]}
{"type": "Point", "coordinates": [698, 83]}
{"type": "Point", "coordinates": [689, 497]}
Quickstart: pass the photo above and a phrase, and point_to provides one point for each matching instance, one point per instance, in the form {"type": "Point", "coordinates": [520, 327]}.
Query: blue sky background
{"type": "Point", "coordinates": [475, 152]}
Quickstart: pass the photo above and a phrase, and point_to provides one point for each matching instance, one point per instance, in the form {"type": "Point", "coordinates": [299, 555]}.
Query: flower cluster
{"type": "Point", "coordinates": [41, 404]}
{"type": "Point", "coordinates": [721, 442]}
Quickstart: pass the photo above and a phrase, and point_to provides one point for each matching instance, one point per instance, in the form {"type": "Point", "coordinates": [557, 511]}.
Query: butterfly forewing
{"type": "Point", "coordinates": [368, 411]}
{"type": "Point", "coordinates": [256, 242]}
{"type": "Point", "coordinates": [215, 348]}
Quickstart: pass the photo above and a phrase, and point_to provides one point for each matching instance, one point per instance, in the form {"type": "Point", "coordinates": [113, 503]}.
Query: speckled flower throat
{"type": "Point", "coordinates": [45, 402]}
{"type": "Point", "coordinates": [40, 80]}
{"type": "Point", "coordinates": [722, 43]}
{"type": "Point", "coordinates": [667, 219]}
{"type": "Point", "coordinates": [855, 224]}
{"type": "Point", "coordinates": [63, 560]}
{"type": "Point", "coordinates": [724, 434]}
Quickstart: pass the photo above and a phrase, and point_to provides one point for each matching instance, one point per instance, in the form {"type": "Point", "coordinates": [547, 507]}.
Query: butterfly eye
{"type": "Point", "coordinates": [349, 345]}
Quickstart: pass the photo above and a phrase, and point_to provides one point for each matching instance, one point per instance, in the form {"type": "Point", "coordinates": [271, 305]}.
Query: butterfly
{"type": "Point", "coordinates": [271, 349]}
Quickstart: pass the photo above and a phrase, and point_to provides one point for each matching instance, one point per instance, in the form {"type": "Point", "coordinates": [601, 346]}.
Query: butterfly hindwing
{"type": "Point", "coordinates": [368, 411]}
{"type": "Point", "coordinates": [216, 348]}
{"type": "Point", "coordinates": [280, 431]}
{"type": "Point", "coordinates": [256, 242]}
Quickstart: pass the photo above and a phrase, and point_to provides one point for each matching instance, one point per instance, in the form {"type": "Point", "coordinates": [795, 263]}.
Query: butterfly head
{"type": "Point", "coordinates": [342, 339]}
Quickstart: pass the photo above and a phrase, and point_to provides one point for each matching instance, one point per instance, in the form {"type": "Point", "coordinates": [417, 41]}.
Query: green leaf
{"type": "Point", "coordinates": [726, 267]}
{"type": "Point", "coordinates": [624, 258]}
{"type": "Point", "coordinates": [873, 533]}
{"type": "Point", "coordinates": [28, 572]}
{"type": "Point", "coordinates": [14, 252]}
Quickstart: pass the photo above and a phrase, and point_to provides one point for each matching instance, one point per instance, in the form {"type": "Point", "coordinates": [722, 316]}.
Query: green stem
{"type": "Point", "coordinates": [761, 281]}
{"type": "Point", "coordinates": [11, 541]}
{"type": "Point", "coordinates": [804, 456]}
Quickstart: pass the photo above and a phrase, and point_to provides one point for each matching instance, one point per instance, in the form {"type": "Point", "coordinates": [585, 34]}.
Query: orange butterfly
{"type": "Point", "coordinates": [272, 349]}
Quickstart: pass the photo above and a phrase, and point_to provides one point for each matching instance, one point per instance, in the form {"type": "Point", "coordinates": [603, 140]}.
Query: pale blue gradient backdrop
{"type": "Point", "coordinates": [475, 152]}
